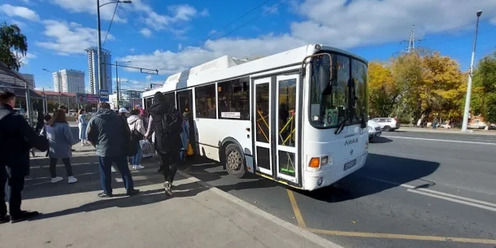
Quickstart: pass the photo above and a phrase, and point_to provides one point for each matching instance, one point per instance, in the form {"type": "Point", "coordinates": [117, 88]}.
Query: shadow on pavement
{"type": "Point", "coordinates": [380, 140]}
{"type": "Point", "coordinates": [379, 173]}
{"type": "Point", "coordinates": [212, 172]}
{"type": "Point", "coordinates": [143, 198]}
{"type": "Point", "coordinates": [86, 170]}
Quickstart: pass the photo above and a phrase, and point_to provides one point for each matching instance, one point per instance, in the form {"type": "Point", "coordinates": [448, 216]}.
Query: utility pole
{"type": "Point", "coordinates": [470, 74]}
{"type": "Point", "coordinates": [411, 41]}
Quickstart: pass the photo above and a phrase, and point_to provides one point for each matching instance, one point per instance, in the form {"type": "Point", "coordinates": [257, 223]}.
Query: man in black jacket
{"type": "Point", "coordinates": [166, 122]}
{"type": "Point", "coordinates": [109, 133]}
{"type": "Point", "coordinates": [16, 139]}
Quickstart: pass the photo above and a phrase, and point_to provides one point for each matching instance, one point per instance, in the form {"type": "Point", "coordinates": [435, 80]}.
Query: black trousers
{"type": "Point", "coordinates": [67, 164]}
{"type": "Point", "coordinates": [16, 184]}
{"type": "Point", "coordinates": [168, 165]}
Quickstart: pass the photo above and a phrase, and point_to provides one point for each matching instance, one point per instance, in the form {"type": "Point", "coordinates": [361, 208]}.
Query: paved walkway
{"type": "Point", "coordinates": [196, 216]}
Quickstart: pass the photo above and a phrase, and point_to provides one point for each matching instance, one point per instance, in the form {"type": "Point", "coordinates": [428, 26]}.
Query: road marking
{"type": "Point", "coordinates": [441, 140]}
{"type": "Point", "coordinates": [404, 236]}
{"type": "Point", "coordinates": [441, 195]}
{"type": "Point", "coordinates": [296, 210]}
{"type": "Point", "coordinates": [453, 200]}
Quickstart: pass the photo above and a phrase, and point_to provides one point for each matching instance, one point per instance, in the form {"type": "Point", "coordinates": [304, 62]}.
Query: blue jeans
{"type": "Point", "coordinates": [105, 173]}
{"type": "Point", "coordinates": [136, 159]}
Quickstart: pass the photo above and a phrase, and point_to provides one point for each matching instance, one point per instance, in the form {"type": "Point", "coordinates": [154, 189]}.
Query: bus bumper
{"type": "Point", "coordinates": [328, 175]}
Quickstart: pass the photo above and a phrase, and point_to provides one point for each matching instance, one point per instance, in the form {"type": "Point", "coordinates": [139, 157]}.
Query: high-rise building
{"type": "Point", "coordinates": [68, 80]}
{"type": "Point", "coordinates": [12, 80]}
{"type": "Point", "coordinates": [106, 61]}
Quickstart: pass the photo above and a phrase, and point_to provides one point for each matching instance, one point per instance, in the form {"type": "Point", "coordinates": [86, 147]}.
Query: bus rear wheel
{"type": "Point", "coordinates": [235, 164]}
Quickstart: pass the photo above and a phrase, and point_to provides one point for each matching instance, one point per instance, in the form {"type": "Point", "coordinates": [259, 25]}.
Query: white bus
{"type": "Point", "coordinates": [297, 117]}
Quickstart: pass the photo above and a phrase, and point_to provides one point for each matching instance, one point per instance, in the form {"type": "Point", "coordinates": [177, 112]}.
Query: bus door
{"type": "Point", "coordinates": [286, 108]}
{"type": "Point", "coordinates": [184, 104]}
{"type": "Point", "coordinates": [262, 126]}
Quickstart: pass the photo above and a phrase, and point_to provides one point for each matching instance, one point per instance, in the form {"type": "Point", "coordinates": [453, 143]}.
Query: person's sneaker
{"type": "Point", "coordinates": [134, 167]}
{"type": "Point", "coordinates": [4, 219]}
{"type": "Point", "coordinates": [104, 195]}
{"type": "Point", "coordinates": [168, 190]}
{"type": "Point", "coordinates": [138, 167]}
{"type": "Point", "coordinates": [72, 179]}
{"type": "Point", "coordinates": [25, 215]}
{"type": "Point", "coordinates": [133, 192]}
{"type": "Point", "coordinates": [56, 179]}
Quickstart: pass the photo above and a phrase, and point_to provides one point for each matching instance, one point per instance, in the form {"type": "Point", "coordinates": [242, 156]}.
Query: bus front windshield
{"type": "Point", "coordinates": [338, 91]}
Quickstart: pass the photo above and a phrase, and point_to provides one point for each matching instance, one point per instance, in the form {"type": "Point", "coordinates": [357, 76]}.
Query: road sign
{"type": "Point", "coordinates": [104, 96]}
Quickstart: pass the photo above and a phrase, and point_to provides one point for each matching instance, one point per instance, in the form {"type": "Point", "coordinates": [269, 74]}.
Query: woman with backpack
{"type": "Point", "coordinates": [60, 139]}
{"type": "Point", "coordinates": [137, 129]}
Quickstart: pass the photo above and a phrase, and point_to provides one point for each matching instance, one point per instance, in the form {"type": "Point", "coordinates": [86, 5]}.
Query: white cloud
{"type": "Point", "coordinates": [148, 77]}
{"type": "Point", "coordinates": [85, 6]}
{"type": "Point", "coordinates": [146, 32]}
{"type": "Point", "coordinates": [25, 59]}
{"type": "Point", "coordinates": [365, 22]}
{"type": "Point", "coordinates": [18, 11]}
{"type": "Point", "coordinates": [68, 38]}
{"type": "Point", "coordinates": [340, 23]}
{"type": "Point", "coordinates": [168, 62]}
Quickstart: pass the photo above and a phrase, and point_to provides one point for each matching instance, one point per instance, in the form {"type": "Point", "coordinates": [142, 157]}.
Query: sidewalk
{"type": "Point", "coordinates": [444, 130]}
{"type": "Point", "coordinates": [196, 216]}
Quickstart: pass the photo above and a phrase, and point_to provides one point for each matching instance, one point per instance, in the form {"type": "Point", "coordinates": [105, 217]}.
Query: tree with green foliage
{"type": "Point", "coordinates": [13, 45]}
{"type": "Point", "coordinates": [484, 97]}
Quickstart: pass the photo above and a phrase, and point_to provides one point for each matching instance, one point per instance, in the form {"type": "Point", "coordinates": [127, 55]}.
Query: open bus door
{"type": "Point", "coordinates": [276, 128]}
{"type": "Point", "coordinates": [184, 104]}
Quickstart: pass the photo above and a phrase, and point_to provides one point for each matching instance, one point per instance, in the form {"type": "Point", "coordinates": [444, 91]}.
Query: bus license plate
{"type": "Point", "coordinates": [350, 164]}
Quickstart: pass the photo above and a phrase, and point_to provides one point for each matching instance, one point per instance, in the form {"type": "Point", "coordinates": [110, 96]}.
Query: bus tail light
{"type": "Point", "coordinates": [314, 163]}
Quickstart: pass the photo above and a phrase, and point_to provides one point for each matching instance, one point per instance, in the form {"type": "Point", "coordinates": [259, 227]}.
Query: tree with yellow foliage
{"type": "Point", "coordinates": [383, 92]}
{"type": "Point", "coordinates": [429, 84]}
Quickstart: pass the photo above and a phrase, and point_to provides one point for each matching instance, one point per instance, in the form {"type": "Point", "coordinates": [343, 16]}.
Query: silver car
{"type": "Point", "coordinates": [387, 123]}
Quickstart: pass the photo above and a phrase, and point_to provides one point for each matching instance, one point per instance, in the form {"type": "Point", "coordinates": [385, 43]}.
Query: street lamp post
{"type": "Point", "coordinates": [100, 83]}
{"type": "Point", "coordinates": [469, 84]}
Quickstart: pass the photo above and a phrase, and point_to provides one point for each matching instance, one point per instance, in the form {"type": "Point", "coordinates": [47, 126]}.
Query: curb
{"type": "Point", "coordinates": [295, 229]}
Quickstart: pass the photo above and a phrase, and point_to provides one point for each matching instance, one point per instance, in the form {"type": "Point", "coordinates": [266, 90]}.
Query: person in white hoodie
{"type": "Point", "coordinates": [138, 129]}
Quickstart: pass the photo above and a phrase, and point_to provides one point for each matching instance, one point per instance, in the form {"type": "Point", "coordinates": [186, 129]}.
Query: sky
{"type": "Point", "coordinates": [173, 35]}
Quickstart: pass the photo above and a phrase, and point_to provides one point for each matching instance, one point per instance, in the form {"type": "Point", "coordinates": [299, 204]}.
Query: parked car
{"type": "Point", "coordinates": [477, 124]}
{"type": "Point", "coordinates": [387, 123]}
{"type": "Point", "coordinates": [374, 129]}
{"type": "Point", "coordinates": [492, 127]}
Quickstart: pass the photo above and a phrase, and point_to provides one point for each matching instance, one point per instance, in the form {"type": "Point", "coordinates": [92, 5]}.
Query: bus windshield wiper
{"type": "Point", "coordinates": [341, 126]}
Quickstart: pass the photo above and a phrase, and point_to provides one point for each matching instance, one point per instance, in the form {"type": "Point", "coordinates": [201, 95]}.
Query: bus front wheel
{"type": "Point", "coordinates": [235, 164]}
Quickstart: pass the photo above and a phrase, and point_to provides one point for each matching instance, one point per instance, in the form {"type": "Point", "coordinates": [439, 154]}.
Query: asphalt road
{"type": "Point", "coordinates": [416, 190]}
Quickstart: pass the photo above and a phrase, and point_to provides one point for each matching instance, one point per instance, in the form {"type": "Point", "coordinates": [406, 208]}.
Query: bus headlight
{"type": "Point", "coordinates": [324, 160]}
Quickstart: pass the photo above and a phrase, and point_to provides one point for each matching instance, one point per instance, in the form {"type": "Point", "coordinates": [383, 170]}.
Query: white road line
{"type": "Point", "coordinates": [441, 195]}
{"type": "Point", "coordinates": [442, 140]}
{"type": "Point", "coordinates": [453, 200]}
{"type": "Point", "coordinates": [458, 197]}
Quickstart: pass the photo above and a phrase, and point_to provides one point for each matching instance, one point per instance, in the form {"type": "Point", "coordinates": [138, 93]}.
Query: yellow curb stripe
{"type": "Point", "coordinates": [296, 210]}
{"type": "Point", "coordinates": [404, 236]}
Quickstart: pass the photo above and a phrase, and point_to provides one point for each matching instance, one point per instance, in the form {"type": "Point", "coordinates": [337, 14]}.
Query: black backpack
{"type": "Point", "coordinates": [172, 122]}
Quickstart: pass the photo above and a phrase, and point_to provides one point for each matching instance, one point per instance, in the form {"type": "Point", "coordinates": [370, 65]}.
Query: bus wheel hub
{"type": "Point", "coordinates": [234, 160]}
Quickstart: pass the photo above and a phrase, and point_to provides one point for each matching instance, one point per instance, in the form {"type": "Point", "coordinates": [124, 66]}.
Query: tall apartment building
{"type": "Point", "coordinates": [68, 80]}
{"type": "Point", "coordinates": [106, 60]}
{"type": "Point", "coordinates": [12, 80]}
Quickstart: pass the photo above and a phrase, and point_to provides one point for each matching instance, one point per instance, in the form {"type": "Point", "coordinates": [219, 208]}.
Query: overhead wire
{"type": "Point", "coordinates": [111, 21]}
